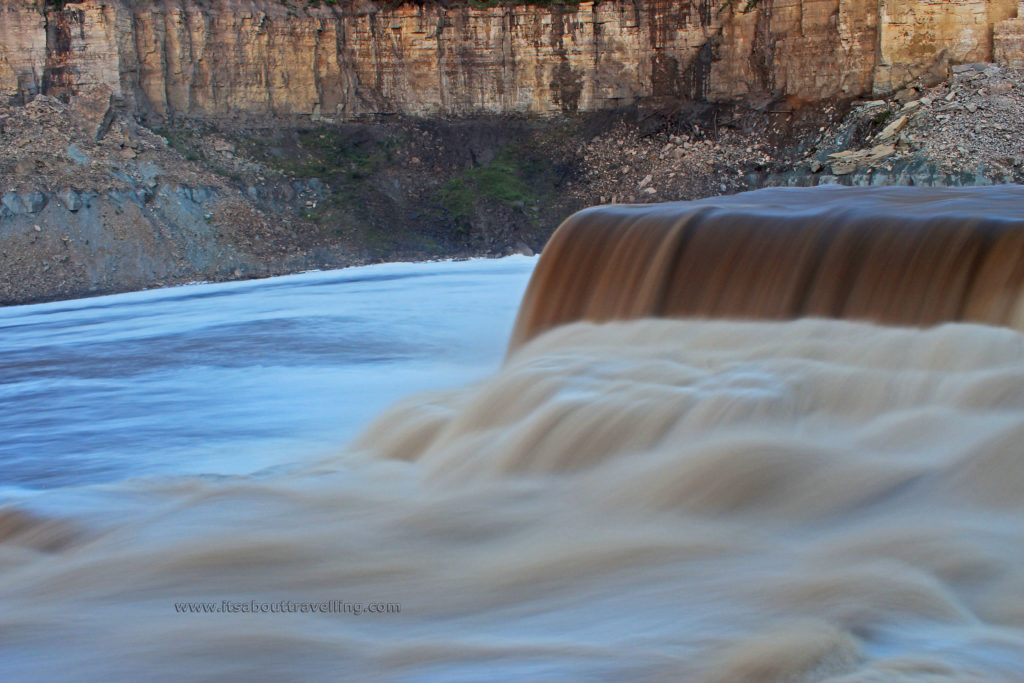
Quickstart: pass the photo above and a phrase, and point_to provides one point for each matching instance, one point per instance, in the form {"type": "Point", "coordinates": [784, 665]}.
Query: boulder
{"type": "Point", "coordinates": [70, 198]}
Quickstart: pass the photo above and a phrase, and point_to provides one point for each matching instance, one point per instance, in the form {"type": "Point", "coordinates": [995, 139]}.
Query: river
{"type": "Point", "coordinates": [641, 500]}
{"type": "Point", "coordinates": [230, 378]}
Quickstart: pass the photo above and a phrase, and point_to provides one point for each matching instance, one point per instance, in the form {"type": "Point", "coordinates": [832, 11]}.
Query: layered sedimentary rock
{"type": "Point", "coordinates": [260, 58]}
{"type": "Point", "coordinates": [913, 33]}
{"type": "Point", "coordinates": [1008, 40]}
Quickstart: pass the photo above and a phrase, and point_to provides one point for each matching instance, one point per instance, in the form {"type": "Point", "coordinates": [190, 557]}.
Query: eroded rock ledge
{"type": "Point", "coordinates": [337, 62]}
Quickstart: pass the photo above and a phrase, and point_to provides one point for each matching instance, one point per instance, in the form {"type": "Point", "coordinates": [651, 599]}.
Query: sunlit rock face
{"type": "Point", "coordinates": [1008, 40]}
{"type": "Point", "coordinates": [231, 57]}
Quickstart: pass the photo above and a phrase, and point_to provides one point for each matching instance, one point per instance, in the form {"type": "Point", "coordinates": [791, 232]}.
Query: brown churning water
{"type": "Point", "coordinates": [652, 500]}
{"type": "Point", "coordinates": [892, 255]}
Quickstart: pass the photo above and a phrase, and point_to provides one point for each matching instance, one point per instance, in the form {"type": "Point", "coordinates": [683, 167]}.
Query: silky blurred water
{"type": "Point", "coordinates": [235, 377]}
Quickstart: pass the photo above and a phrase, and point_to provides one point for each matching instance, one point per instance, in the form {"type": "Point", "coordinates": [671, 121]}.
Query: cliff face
{"type": "Point", "coordinates": [219, 58]}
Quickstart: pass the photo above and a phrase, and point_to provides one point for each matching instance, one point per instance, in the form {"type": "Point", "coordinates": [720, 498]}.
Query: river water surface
{"type": "Point", "coordinates": [641, 500]}
{"type": "Point", "coordinates": [233, 377]}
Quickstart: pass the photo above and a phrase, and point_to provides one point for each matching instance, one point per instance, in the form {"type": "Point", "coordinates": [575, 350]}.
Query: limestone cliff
{"type": "Point", "coordinates": [220, 58]}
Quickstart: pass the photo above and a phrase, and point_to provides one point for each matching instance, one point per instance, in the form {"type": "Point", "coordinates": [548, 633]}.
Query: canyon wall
{"type": "Point", "coordinates": [230, 58]}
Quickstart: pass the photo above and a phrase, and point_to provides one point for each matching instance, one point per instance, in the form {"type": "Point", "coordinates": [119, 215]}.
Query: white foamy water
{"type": "Point", "coordinates": [229, 378]}
{"type": "Point", "coordinates": [651, 500]}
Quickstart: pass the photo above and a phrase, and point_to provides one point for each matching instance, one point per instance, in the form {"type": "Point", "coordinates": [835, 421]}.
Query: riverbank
{"type": "Point", "coordinates": [93, 201]}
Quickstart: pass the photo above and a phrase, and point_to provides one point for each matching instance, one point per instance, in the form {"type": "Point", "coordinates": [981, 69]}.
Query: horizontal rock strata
{"type": "Point", "coordinates": [225, 58]}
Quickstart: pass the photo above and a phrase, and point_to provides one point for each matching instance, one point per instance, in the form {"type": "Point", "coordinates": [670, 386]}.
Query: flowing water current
{"type": "Point", "coordinates": [230, 378]}
{"type": "Point", "coordinates": [649, 499]}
